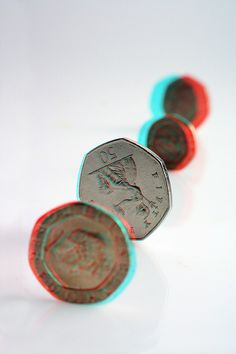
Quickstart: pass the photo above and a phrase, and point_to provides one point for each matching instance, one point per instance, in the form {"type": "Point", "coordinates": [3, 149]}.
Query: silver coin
{"type": "Point", "coordinates": [129, 180]}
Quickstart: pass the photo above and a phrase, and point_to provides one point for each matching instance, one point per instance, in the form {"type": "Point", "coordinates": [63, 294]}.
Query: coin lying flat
{"type": "Point", "coordinates": [172, 138]}
{"type": "Point", "coordinates": [181, 95]}
{"type": "Point", "coordinates": [128, 180]}
{"type": "Point", "coordinates": [81, 253]}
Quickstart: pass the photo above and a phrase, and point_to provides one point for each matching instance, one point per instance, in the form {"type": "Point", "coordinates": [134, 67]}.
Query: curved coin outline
{"type": "Point", "coordinates": [145, 150]}
{"type": "Point", "coordinates": [159, 92]}
{"type": "Point", "coordinates": [188, 131]}
{"type": "Point", "coordinates": [68, 294]}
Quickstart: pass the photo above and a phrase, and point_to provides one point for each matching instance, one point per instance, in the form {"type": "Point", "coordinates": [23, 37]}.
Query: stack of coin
{"type": "Point", "coordinates": [81, 251]}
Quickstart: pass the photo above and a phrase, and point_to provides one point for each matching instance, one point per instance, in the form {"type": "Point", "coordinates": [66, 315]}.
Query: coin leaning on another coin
{"type": "Point", "coordinates": [129, 180]}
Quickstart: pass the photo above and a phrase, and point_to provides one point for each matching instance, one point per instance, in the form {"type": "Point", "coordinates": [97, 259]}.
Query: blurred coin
{"type": "Point", "coordinates": [129, 180]}
{"type": "Point", "coordinates": [173, 139]}
{"type": "Point", "coordinates": [181, 95]}
{"type": "Point", "coordinates": [81, 253]}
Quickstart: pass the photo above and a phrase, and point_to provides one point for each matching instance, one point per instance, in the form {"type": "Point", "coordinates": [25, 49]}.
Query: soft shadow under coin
{"type": "Point", "coordinates": [129, 324]}
{"type": "Point", "coordinates": [183, 199]}
{"type": "Point", "coordinates": [197, 168]}
{"type": "Point", "coordinates": [183, 185]}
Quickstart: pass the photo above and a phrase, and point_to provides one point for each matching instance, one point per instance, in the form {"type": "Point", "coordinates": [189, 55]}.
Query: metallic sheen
{"type": "Point", "coordinates": [129, 180]}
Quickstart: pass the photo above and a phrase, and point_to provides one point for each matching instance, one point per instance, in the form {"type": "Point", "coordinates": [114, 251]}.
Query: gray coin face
{"type": "Point", "coordinates": [129, 180]}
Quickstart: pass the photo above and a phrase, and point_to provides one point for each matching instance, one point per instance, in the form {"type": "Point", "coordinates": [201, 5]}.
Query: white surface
{"type": "Point", "coordinates": [78, 73]}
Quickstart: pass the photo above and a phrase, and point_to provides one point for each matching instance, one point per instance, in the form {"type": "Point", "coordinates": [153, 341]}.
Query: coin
{"type": "Point", "coordinates": [172, 138]}
{"type": "Point", "coordinates": [129, 180]}
{"type": "Point", "coordinates": [184, 95]}
{"type": "Point", "coordinates": [81, 253]}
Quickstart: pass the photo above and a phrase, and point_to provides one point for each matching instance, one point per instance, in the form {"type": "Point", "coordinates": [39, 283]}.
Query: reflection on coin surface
{"type": "Point", "coordinates": [173, 139]}
{"type": "Point", "coordinates": [81, 253]}
{"type": "Point", "coordinates": [129, 180]}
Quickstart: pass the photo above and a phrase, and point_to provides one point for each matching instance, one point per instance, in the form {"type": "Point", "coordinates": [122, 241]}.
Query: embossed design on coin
{"type": "Point", "coordinates": [80, 253]}
{"type": "Point", "coordinates": [129, 180]}
{"type": "Point", "coordinates": [121, 175]}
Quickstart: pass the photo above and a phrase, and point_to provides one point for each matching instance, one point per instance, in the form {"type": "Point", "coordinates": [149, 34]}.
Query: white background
{"type": "Point", "coordinates": [74, 74]}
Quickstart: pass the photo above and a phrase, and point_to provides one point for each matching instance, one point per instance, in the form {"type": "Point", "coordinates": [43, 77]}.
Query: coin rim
{"type": "Point", "coordinates": [190, 135]}
{"type": "Point", "coordinates": [158, 93]}
{"type": "Point", "coordinates": [32, 251]}
{"type": "Point", "coordinates": [150, 152]}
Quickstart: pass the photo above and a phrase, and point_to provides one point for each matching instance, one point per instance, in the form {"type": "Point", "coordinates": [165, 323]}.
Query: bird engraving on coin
{"type": "Point", "coordinates": [129, 180]}
{"type": "Point", "coordinates": [119, 176]}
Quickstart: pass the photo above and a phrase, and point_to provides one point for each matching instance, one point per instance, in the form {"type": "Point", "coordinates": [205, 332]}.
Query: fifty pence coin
{"type": "Point", "coordinates": [81, 253]}
{"type": "Point", "coordinates": [128, 179]}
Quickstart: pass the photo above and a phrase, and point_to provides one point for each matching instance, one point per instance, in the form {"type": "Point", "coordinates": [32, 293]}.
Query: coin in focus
{"type": "Point", "coordinates": [81, 253]}
{"type": "Point", "coordinates": [129, 180]}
